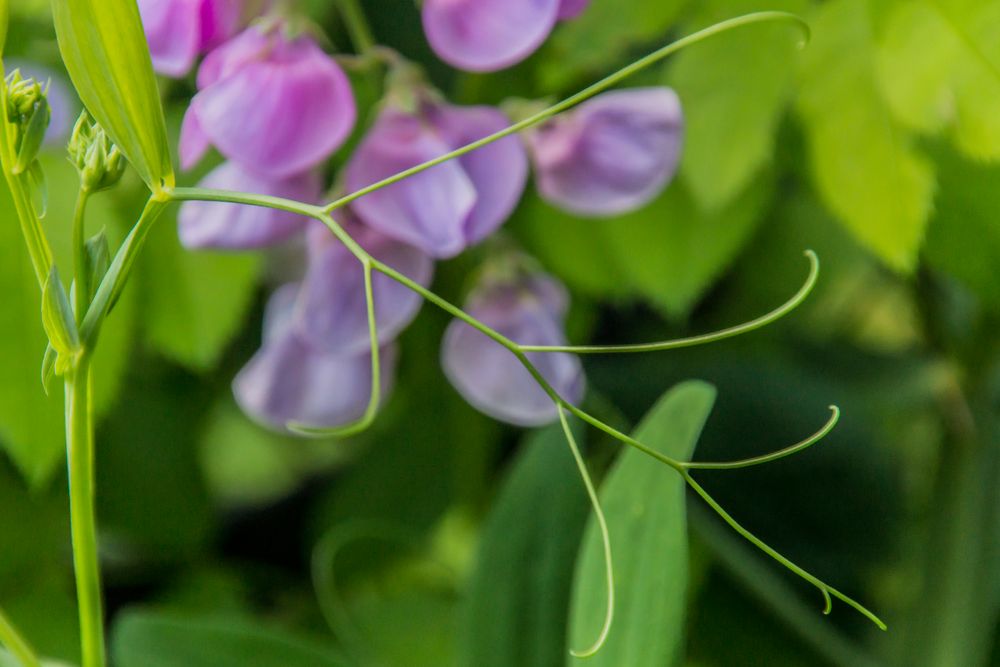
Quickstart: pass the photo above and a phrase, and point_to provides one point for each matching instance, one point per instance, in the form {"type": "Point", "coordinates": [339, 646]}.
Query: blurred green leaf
{"type": "Point", "coordinates": [964, 236]}
{"type": "Point", "coordinates": [104, 48]}
{"type": "Point", "coordinates": [30, 422]}
{"type": "Point", "coordinates": [518, 597]}
{"type": "Point", "coordinates": [734, 90]}
{"type": "Point", "coordinates": [864, 165]}
{"type": "Point", "coordinates": [645, 510]}
{"type": "Point", "coordinates": [939, 66]}
{"type": "Point", "coordinates": [605, 32]}
{"type": "Point", "coordinates": [149, 639]}
{"type": "Point", "coordinates": [193, 303]}
{"type": "Point", "coordinates": [669, 252]}
{"type": "Point", "coordinates": [7, 660]}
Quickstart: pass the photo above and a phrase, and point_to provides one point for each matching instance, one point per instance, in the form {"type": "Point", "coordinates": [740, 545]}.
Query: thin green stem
{"type": "Point", "coordinates": [14, 642]}
{"type": "Point", "coordinates": [357, 26]}
{"type": "Point", "coordinates": [768, 318]}
{"type": "Point", "coordinates": [602, 524]}
{"type": "Point", "coordinates": [586, 93]}
{"type": "Point", "coordinates": [825, 589]}
{"type": "Point", "coordinates": [773, 456]}
{"type": "Point", "coordinates": [116, 278]}
{"type": "Point", "coordinates": [371, 411]}
{"type": "Point", "coordinates": [81, 295]}
{"type": "Point", "coordinates": [80, 454]}
{"type": "Point", "coordinates": [34, 237]}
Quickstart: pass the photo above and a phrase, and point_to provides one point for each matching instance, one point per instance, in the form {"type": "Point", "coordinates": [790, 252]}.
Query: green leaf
{"type": "Point", "coordinates": [669, 252]}
{"type": "Point", "coordinates": [939, 67]}
{"type": "Point", "coordinates": [964, 235]}
{"type": "Point", "coordinates": [518, 596]}
{"type": "Point", "coordinates": [193, 302]}
{"type": "Point", "coordinates": [734, 91]}
{"type": "Point", "coordinates": [57, 317]}
{"type": "Point", "coordinates": [31, 424]}
{"type": "Point", "coordinates": [104, 48]}
{"type": "Point", "coordinates": [606, 32]}
{"type": "Point", "coordinates": [98, 259]}
{"type": "Point", "coordinates": [645, 510]}
{"type": "Point", "coordinates": [148, 639]}
{"type": "Point", "coordinates": [863, 163]}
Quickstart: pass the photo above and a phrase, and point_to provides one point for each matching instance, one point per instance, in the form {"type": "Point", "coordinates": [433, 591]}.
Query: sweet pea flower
{"type": "Point", "coordinates": [288, 380]}
{"type": "Point", "coordinates": [276, 104]}
{"type": "Point", "coordinates": [331, 311]}
{"type": "Point", "coordinates": [488, 35]}
{"type": "Point", "coordinates": [612, 154]}
{"type": "Point", "coordinates": [453, 205]}
{"type": "Point", "coordinates": [529, 310]}
{"type": "Point", "coordinates": [178, 31]}
{"type": "Point", "coordinates": [236, 226]}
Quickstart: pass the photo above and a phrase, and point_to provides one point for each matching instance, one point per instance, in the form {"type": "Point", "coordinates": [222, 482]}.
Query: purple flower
{"type": "Point", "coordinates": [529, 310]}
{"type": "Point", "coordinates": [610, 155]}
{"type": "Point", "coordinates": [452, 205]}
{"type": "Point", "coordinates": [288, 380]}
{"type": "Point", "coordinates": [331, 312]}
{"type": "Point", "coordinates": [179, 30]}
{"type": "Point", "coordinates": [487, 35]}
{"type": "Point", "coordinates": [235, 226]}
{"type": "Point", "coordinates": [274, 104]}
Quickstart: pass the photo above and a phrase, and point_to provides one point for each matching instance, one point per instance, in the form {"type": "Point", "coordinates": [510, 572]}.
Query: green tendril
{"type": "Point", "coordinates": [773, 456]}
{"type": "Point", "coordinates": [14, 642]}
{"type": "Point", "coordinates": [602, 524]}
{"type": "Point", "coordinates": [375, 397]}
{"type": "Point", "coordinates": [768, 318]}
{"type": "Point", "coordinates": [585, 94]}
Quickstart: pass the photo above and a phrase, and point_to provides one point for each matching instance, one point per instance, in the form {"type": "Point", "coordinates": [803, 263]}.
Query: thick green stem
{"type": "Point", "coordinates": [80, 452]}
{"type": "Point", "coordinates": [12, 640]}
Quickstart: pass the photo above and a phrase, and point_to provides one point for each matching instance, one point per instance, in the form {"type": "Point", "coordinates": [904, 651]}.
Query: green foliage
{"type": "Point", "coordinates": [865, 167]}
{"type": "Point", "coordinates": [30, 421]}
{"type": "Point", "coordinates": [734, 91]}
{"type": "Point", "coordinates": [104, 49]}
{"type": "Point", "coordinates": [148, 639]}
{"type": "Point", "coordinates": [193, 303]}
{"type": "Point", "coordinates": [518, 597]}
{"type": "Point", "coordinates": [669, 252]}
{"type": "Point", "coordinates": [644, 507]}
{"type": "Point", "coordinates": [606, 32]}
{"type": "Point", "coordinates": [939, 65]}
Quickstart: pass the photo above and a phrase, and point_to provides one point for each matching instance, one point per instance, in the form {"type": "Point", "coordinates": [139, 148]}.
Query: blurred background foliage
{"type": "Point", "coordinates": [441, 537]}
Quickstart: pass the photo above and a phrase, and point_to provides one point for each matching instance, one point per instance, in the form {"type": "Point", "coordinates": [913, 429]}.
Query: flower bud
{"type": "Point", "coordinates": [28, 110]}
{"type": "Point", "coordinates": [98, 160]}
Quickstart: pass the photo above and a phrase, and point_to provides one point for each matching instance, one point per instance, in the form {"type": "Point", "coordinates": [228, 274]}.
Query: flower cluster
{"type": "Point", "coordinates": [277, 108]}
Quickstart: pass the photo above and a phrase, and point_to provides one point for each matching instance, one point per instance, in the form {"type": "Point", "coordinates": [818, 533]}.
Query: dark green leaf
{"type": "Point", "coordinates": [518, 597]}
{"type": "Point", "coordinates": [104, 48]}
{"type": "Point", "coordinates": [644, 505]}
{"type": "Point", "coordinates": [147, 639]}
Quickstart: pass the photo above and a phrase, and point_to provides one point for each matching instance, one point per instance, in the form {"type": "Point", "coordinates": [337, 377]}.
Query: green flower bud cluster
{"type": "Point", "coordinates": [98, 160]}
{"type": "Point", "coordinates": [28, 111]}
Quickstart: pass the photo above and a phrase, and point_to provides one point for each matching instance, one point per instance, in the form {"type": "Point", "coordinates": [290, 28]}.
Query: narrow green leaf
{"type": "Point", "coordinates": [518, 597]}
{"type": "Point", "coordinates": [864, 164]}
{"type": "Point", "coordinates": [734, 92]}
{"type": "Point", "coordinates": [98, 259]}
{"type": "Point", "coordinates": [4, 22]}
{"type": "Point", "coordinates": [57, 316]}
{"type": "Point", "coordinates": [147, 639]}
{"type": "Point", "coordinates": [645, 510]}
{"type": "Point", "coordinates": [104, 48]}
